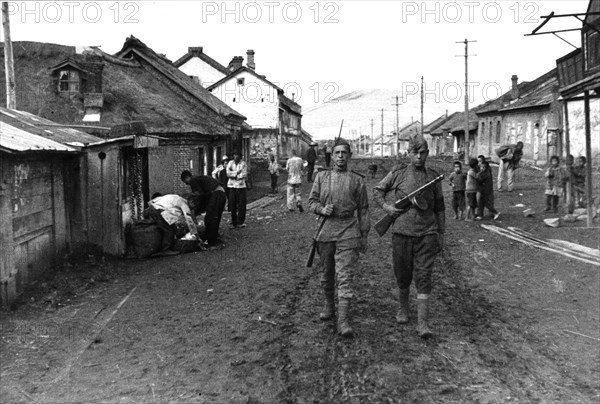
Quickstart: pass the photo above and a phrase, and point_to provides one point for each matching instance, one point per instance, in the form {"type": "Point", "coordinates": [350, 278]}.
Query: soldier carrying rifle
{"type": "Point", "coordinates": [340, 199]}
{"type": "Point", "coordinates": [417, 230]}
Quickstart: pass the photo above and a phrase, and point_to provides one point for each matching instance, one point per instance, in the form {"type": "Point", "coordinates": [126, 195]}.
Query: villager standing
{"type": "Point", "coordinates": [237, 172]}
{"type": "Point", "coordinates": [220, 174]}
{"type": "Point", "coordinates": [294, 167]}
{"type": "Point", "coordinates": [471, 190]}
{"type": "Point", "coordinates": [339, 197]}
{"type": "Point", "coordinates": [311, 158]}
{"type": "Point", "coordinates": [510, 155]}
{"type": "Point", "coordinates": [274, 173]}
{"type": "Point", "coordinates": [417, 231]}
{"type": "Point", "coordinates": [458, 183]}
{"type": "Point", "coordinates": [212, 199]}
{"type": "Point", "coordinates": [485, 183]}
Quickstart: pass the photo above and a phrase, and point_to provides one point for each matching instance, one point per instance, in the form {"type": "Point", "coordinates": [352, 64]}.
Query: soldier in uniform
{"type": "Point", "coordinates": [417, 231]}
{"type": "Point", "coordinates": [340, 199]}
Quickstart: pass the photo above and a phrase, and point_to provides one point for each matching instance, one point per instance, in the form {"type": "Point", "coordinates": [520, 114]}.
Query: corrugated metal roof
{"type": "Point", "coordinates": [21, 131]}
{"type": "Point", "coordinates": [19, 140]}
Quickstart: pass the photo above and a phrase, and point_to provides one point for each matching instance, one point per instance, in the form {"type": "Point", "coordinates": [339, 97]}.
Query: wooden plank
{"type": "Point", "coordinates": [59, 220]}
{"type": "Point", "coordinates": [32, 187]}
{"type": "Point", "coordinates": [7, 260]}
{"type": "Point", "coordinates": [29, 236]}
{"type": "Point", "coordinates": [31, 223]}
{"type": "Point", "coordinates": [31, 258]}
{"type": "Point", "coordinates": [32, 204]}
{"type": "Point", "coordinates": [536, 244]}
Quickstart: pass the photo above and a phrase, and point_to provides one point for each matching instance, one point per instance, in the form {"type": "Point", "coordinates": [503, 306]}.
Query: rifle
{"type": "Point", "coordinates": [313, 248]}
{"type": "Point", "coordinates": [382, 226]}
{"type": "Point", "coordinates": [341, 126]}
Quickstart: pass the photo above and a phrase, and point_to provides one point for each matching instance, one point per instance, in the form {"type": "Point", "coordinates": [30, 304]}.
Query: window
{"type": "Point", "coordinates": [592, 52]}
{"type": "Point", "coordinates": [68, 81]}
{"type": "Point", "coordinates": [498, 131]}
{"type": "Point", "coordinates": [241, 81]}
{"type": "Point", "coordinates": [481, 137]}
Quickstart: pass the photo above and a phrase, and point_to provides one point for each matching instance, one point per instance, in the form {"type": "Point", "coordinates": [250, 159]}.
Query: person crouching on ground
{"type": "Point", "coordinates": [458, 182]}
{"type": "Point", "coordinates": [554, 180]}
{"type": "Point", "coordinates": [339, 197]}
{"type": "Point", "coordinates": [486, 187]}
{"type": "Point", "coordinates": [166, 210]}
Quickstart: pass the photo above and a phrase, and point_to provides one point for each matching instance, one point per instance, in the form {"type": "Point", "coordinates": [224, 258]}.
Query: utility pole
{"type": "Point", "coordinates": [372, 139]}
{"type": "Point", "coordinates": [422, 106]}
{"type": "Point", "coordinates": [397, 129]}
{"type": "Point", "coordinates": [466, 42]}
{"type": "Point", "coordinates": [11, 99]}
{"type": "Point", "coordinates": [381, 132]}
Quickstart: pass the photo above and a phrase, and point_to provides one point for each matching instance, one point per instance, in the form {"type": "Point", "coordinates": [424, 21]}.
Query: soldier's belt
{"type": "Point", "coordinates": [347, 216]}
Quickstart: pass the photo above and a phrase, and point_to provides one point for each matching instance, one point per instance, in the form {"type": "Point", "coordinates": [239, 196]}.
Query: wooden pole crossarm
{"type": "Point", "coordinates": [547, 18]}
{"type": "Point", "coordinates": [553, 32]}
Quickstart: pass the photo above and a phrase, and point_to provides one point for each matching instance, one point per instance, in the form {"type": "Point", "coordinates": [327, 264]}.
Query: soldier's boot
{"type": "Point", "coordinates": [554, 203]}
{"type": "Point", "coordinates": [422, 310]}
{"type": "Point", "coordinates": [343, 321]}
{"type": "Point", "coordinates": [329, 307]}
{"type": "Point", "coordinates": [402, 315]}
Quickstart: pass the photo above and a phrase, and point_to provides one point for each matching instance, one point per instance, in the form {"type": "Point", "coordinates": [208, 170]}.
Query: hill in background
{"type": "Point", "coordinates": [359, 107]}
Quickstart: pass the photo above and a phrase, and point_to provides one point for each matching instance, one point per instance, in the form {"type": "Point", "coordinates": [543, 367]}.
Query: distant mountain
{"type": "Point", "coordinates": [359, 107]}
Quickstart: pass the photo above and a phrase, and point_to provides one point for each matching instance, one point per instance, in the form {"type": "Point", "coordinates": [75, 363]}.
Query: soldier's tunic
{"type": "Point", "coordinates": [339, 240]}
{"type": "Point", "coordinates": [415, 232]}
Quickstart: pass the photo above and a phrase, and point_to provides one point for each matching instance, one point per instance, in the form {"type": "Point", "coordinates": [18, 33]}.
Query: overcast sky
{"type": "Point", "coordinates": [320, 50]}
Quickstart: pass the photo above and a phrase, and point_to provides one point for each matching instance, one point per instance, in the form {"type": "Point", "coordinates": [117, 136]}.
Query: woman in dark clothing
{"type": "Point", "coordinates": [485, 185]}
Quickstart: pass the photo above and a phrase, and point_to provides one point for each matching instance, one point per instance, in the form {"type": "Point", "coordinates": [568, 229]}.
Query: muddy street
{"type": "Point", "coordinates": [240, 325]}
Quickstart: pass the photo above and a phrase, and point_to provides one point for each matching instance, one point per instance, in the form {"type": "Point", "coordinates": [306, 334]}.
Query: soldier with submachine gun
{"type": "Point", "coordinates": [418, 225]}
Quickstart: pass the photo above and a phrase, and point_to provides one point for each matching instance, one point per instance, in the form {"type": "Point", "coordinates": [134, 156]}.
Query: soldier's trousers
{"type": "Point", "coordinates": [338, 260]}
{"type": "Point", "coordinates": [414, 256]}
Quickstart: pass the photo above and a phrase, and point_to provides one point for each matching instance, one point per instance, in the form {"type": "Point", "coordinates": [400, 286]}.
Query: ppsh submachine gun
{"type": "Point", "coordinates": [382, 226]}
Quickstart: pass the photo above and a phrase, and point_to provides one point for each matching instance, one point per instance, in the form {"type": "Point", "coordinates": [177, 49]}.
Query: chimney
{"type": "Point", "coordinates": [235, 63]}
{"type": "Point", "coordinates": [446, 113]}
{"type": "Point", "coordinates": [195, 50]}
{"type": "Point", "coordinates": [515, 87]}
{"type": "Point", "coordinates": [250, 59]}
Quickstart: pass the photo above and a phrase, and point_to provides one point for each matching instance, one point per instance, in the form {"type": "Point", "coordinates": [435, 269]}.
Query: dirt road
{"type": "Point", "coordinates": [240, 325]}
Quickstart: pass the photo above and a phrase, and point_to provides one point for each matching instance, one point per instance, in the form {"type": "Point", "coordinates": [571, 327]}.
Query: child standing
{"type": "Point", "coordinates": [486, 186]}
{"type": "Point", "coordinates": [458, 182]}
{"type": "Point", "coordinates": [471, 189]}
{"type": "Point", "coordinates": [554, 181]}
